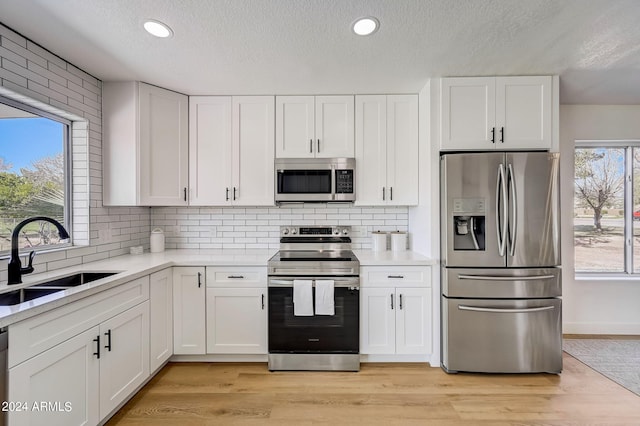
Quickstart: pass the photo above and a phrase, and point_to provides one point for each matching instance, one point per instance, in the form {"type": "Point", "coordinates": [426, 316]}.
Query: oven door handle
{"type": "Point", "coordinates": [355, 282]}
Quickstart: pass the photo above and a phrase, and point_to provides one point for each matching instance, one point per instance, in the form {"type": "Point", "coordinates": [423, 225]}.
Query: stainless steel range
{"type": "Point", "coordinates": [314, 300]}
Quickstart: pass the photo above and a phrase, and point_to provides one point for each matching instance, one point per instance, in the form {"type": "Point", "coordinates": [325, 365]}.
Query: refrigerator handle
{"type": "Point", "coordinates": [513, 200]}
{"type": "Point", "coordinates": [505, 310]}
{"type": "Point", "coordinates": [501, 217]}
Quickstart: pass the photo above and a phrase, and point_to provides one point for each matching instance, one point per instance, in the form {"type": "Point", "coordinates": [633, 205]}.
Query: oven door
{"type": "Point", "coordinates": [339, 333]}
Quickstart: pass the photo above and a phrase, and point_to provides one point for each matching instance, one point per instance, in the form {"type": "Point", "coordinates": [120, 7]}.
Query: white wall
{"type": "Point", "coordinates": [594, 306]}
{"type": "Point", "coordinates": [33, 75]}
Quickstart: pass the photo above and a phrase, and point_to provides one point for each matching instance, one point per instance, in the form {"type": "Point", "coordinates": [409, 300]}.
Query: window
{"type": "Point", "coordinates": [607, 207]}
{"type": "Point", "coordinates": [34, 175]}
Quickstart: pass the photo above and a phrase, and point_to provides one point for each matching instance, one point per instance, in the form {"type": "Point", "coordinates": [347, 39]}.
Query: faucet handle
{"type": "Point", "coordinates": [29, 268]}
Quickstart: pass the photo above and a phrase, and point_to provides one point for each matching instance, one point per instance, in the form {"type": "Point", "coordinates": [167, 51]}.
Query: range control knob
{"type": "Point", "coordinates": [336, 231]}
{"type": "Point", "coordinates": [285, 231]}
{"type": "Point", "coordinates": [345, 232]}
{"type": "Point", "coordinates": [294, 231]}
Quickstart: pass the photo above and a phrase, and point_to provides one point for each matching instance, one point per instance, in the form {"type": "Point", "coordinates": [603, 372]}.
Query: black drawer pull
{"type": "Point", "coordinates": [395, 276]}
{"type": "Point", "coordinates": [236, 276]}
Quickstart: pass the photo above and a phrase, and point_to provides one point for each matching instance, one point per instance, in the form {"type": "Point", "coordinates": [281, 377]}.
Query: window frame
{"type": "Point", "coordinates": [68, 173]}
{"type": "Point", "coordinates": [627, 145]}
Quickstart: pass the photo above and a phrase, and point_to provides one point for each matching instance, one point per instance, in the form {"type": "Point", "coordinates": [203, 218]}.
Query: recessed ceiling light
{"type": "Point", "coordinates": [157, 28]}
{"type": "Point", "coordinates": [365, 26]}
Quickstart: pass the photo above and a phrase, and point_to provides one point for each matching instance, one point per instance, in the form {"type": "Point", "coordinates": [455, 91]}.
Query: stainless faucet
{"type": "Point", "coordinates": [15, 266]}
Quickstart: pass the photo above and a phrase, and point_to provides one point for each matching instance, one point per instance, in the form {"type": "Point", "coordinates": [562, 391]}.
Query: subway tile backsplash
{"type": "Point", "coordinates": [259, 227]}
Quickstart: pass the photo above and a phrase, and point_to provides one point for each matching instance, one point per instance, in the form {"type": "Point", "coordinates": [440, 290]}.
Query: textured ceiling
{"type": "Point", "coordinates": [307, 47]}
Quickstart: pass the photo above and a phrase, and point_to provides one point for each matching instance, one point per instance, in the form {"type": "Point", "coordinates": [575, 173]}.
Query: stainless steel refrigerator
{"type": "Point", "coordinates": [501, 281]}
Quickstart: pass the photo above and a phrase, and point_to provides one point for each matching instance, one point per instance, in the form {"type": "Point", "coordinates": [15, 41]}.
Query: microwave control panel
{"type": "Point", "coordinates": [344, 181]}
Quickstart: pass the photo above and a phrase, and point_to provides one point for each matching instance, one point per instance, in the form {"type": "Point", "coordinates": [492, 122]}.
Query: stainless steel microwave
{"type": "Point", "coordinates": [315, 179]}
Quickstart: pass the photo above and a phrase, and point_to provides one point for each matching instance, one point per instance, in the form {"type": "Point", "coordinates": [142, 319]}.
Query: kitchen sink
{"type": "Point", "coordinates": [48, 287]}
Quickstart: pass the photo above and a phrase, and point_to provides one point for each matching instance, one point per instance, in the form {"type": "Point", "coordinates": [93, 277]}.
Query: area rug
{"type": "Point", "coordinates": [619, 360]}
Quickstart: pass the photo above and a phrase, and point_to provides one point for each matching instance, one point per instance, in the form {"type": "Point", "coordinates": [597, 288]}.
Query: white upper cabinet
{"type": "Point", "coordinates": [209, 150]}
{"type": "Point", "coordinates": [387, 149]}
{"type": "Point", "coordinates": [231, 150]}
{"type": "Point", "coordinates": [145, 146]}
{"type": "Point", "coordinates": [314, 126]}
{"type": "Point", "coordinates": [504, 113]}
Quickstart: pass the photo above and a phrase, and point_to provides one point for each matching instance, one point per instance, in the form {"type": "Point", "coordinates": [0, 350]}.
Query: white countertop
{"type": "Point", "coordinates": [130, 267]}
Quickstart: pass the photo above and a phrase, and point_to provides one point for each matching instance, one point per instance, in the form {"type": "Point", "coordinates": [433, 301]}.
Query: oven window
{"type": "Point", "coordinates": [339, 333]}
{"type": "Point", "coordinates": [304, 182]}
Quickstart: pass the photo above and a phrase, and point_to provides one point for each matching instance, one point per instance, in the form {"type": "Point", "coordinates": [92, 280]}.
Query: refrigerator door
{"type": "Point", "coordinates": [525, 283]}
{"type": "Point", "coordinates": [473, 209]}
{"type": "Point", "coordinates": [502, 336]}
{"type": "Point", "coordinates": [534, 214]}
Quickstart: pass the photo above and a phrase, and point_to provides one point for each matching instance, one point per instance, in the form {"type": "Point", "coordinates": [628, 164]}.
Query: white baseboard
{"type": "Point", "coordinates": [600, 328]}
{"type": "Point", "coordinates": [220, 358]}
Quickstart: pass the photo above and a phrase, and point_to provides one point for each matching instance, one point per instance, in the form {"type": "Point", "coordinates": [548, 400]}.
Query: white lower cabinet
{"type": "Point", "coordinates": [80, 380]}
{"type": "Point", "coordinates": [124, 356]}
{"type": "Point", "coordinates": [395, 311]}
{"type": "Point", "coordinates": [67, 375]}
{"type": "Point", "coordinates": [237, 310]}
{"type": "Point", "coordinates": [189, 335]}
{"type": "Point", "coordinates": [160, 318]}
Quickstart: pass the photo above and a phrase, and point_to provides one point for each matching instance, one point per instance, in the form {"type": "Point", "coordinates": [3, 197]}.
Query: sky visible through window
{"type": "Point", "coordinates": [32, 181]}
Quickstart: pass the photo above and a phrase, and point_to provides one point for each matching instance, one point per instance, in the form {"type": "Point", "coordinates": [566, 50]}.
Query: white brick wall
{"type": "Point", "coordinates": [258, 227]}
{"type": "Point", "coordinates": [35, 76]}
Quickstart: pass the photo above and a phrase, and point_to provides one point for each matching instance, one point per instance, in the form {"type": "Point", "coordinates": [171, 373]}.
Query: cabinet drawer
{"type": "Point", "coordinates": [237, 277]}
{"type": "Point", "coordinates": [34, 335]}
{"type": "Point", "coordinates": [395, 276]}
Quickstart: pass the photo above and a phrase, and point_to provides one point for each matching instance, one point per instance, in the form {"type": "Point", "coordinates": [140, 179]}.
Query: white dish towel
{"type": "Point", "coordinates": [303, 298]}
{"type": "Point", "coordinates": [325, 304]}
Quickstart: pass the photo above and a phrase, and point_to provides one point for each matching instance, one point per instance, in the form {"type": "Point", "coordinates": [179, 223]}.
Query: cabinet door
{"type": "Point", "coordinates": [253, 150]}
{"type": "Point", "coordinates": [334, 126]}
{"type": "Point", "coordinates": [371, 149]}
{"type": "Point", "coordinates": [413, 321]}
{"type": "Point", "coordinates": [377, 321]}
{"type": "Point", "coordinates": [402, 150]}
{"type": "Point", "coordinates": [124, 356]}
{"type": "Point", "coordinates": [160, 318]}
{"type": "Point", "coordinates": [66, 373]}
{"type": "Point", "coordinates": [467, 114]}
{"type": "Point", "coordinates": [189, 311]}
{"type": "Point", "coordinates": [163, 168]}
{"type": "Point", "coordinates": [210, 150]}
{"type": "Point", "coordinates": [236, 320]}
{"type": "Point", "coordinates": [523, 112]}
{"type": "Point", "coordinates": [295, 127]}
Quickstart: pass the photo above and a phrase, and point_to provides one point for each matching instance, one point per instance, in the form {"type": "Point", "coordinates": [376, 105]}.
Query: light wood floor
{"type": "Point", "coordinates": [380, 394]}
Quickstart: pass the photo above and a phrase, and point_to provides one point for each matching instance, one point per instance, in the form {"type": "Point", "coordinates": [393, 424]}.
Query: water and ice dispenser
{"type": "Point", "coordinates": [468, 224]}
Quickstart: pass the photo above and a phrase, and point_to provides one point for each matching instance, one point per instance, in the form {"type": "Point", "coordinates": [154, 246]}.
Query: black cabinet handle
{"type": "Point", "coordinates": [502, 134]}
{"type": "Point", "coordinates": [199, 279]}
{"type": "Point", "coordinates": [391, 193]}
{"type": "Point", "coordinates": [391, 300]}
{"type": "Point", "coordinates": [493, 135]}
{"type": "Point", "coordinates": [318, 145]}
{"type": "Point", "coordinates": [263, 302]}
{"type": "Point", "coordinates": [401, 301]}
{"type": "Point", "coordinates": [383, 193]}
{"type": "Point", "coordinates": [97, 340]}
{"type": "Point", "coordinates": [108, 346]}
{"type": "Point", "coordinates": [185, 194]}
{"type": "Point", "coordinates": [235, 276]}
{"type": "Point", "coordinates": [227, 195]}
{"type": "Point", "coordinates": [234, 193]}
{"type": "Point", "coordinates": [310, 146]}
